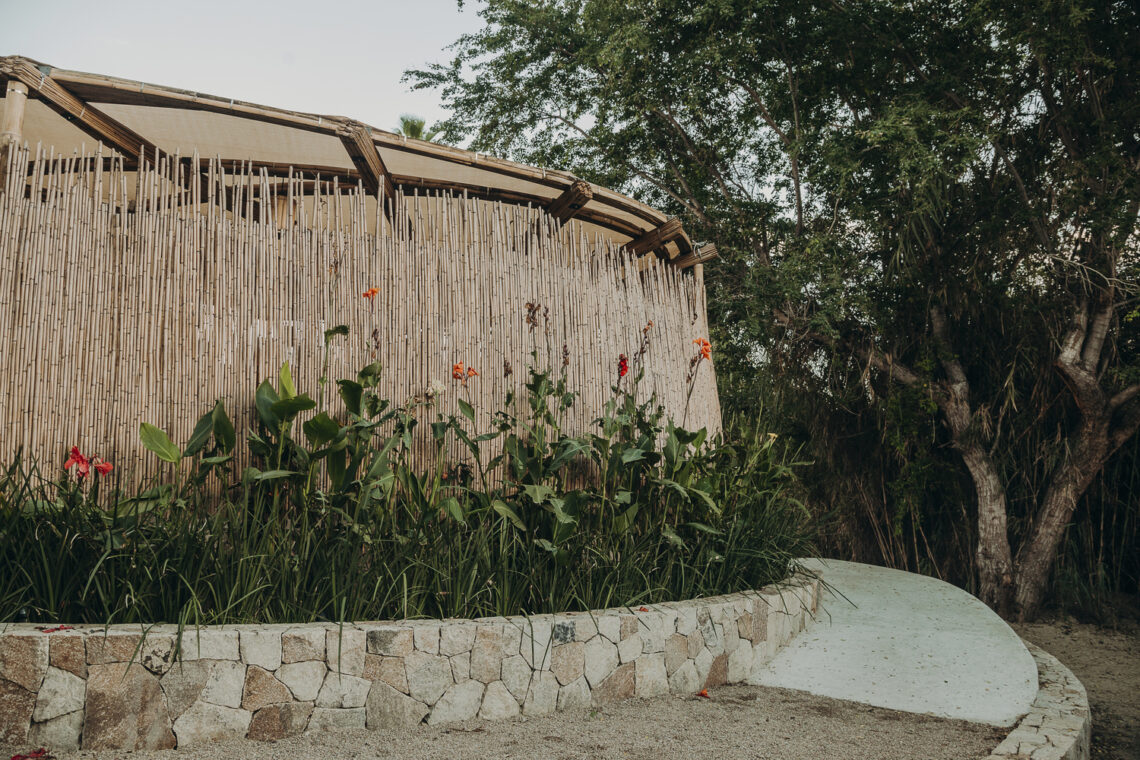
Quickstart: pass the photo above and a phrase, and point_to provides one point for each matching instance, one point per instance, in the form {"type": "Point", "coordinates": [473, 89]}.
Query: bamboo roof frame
{"type": "Point", "coordinates": [71, 93]}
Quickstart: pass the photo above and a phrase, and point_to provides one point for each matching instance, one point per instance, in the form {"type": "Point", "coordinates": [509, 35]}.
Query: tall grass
{"type": "Point", "coordinates": [337, 523]}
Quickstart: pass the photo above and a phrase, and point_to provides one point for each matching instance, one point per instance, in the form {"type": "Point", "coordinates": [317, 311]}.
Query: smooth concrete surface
{"type": "Point", "coordinates": [907, 642]}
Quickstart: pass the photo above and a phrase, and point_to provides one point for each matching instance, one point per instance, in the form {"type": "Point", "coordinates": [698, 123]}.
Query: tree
{"type": "Point", "coordinates": [925, 210]}
{"type": "Point", "coordinates": [415, 128]}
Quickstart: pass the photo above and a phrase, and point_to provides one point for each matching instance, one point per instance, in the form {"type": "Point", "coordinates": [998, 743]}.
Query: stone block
{"type": "Point", "coordinates": [498, 702]}
{"type": "Point", "coordinates": [209, 644]}
{"type": "Point", "coordinates": [574, 695]}
{"type": "Point", "coordinates": [745, 628]}
{"type": "Point", "coordinates": [61, 693]}
{"type": "Point", "coordinates": [568, 662]}
{"type": "Point", "coordinates": [68, 652]}
{"type": "Point", "coordinates": [685, 680]}
{"type": "Point", "coordinates": [740, 663]}
{"type": "Point", "coordinates": [534, 644]}
{"type": "Point", "coordinates": [344, 651]}
{"type": "Point", "coordinates": [541, 695]}
{"type": "Point", "coordinates": [263, 689]}
{"type": "Point", "coordinates": [343, 691]}
{"type": "Point", "coordinates": [629, 626]}
{"type": "Point", "coordinates": [390, 670]}
{"type": "Point", "coordinates": [396, 642]}
{"type": "Point", "coordinates": [601, 658]}
{"type": "Point", "coordinates": [629, 649]}
{"type": "Point", "coordinates": [301, 645]}
{"type": "Point", "coordinates": [676, 652]}
{"type": "Point", "coordinates": [125, 709]}
{"type": "Point", "coordinates": [487, 654]}
{"type": "Point", "coordinates": [703, 662]}
{"type": "Point", "coordinates": [389, 709]}
{"type": "Point", "coordinates": [563, 631]}
{"type": "Point", "coordinates": [618, 686]}
{"type": "Point", "coordinates": [686, 620]}
{"type": "Point", "coordinates": [516, 676]}
{"type": "Point", "coordinates": [651, 680]}
{"type": "Point", "coordinates": [426, 638]}
{"type": "Point", "coordinates": [113, 646]}
{"type": "Point", "coordinates": [336, 719]}
{"type": "Point", "coordinates": [304, 679]}
{"type": "Point", "coordinates": [610, 627]}
{"type": "Point", "coordinates": [461, 701]}
{"type": "Point", "coordinates": [205, 722]}
{"type": "Point", "coordinates": [456, 638]}
{"type": "Point", "coordinates": [429, 676]}
{"type": "Point", "coordinates": [24, 659]}
{"type": "Point", "coordinates": [718, 671]}
{"type": "Point", "coordinates": [280, 721]}
{"type": "Point", "coordinates": [461, 667]}
{"type": "Point", "coordinates": [61, 733]}
{"type": "Point", "coordinates": [696, 644]}
{"type": "Point", "coordinates": [16, 707]}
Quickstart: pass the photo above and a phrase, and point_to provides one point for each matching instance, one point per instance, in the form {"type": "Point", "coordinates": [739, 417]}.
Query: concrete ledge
{"type": "Point", "coordinates": [133, 687]}
{"type": "Point", "coordinates": [1058, 725]}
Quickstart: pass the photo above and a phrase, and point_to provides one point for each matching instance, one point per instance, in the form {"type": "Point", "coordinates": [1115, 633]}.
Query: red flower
{"type": "Point", "coordinates": [705, 348]}
{"type": "Point", "coordinates": [82, 466]}
{"type": "Point", "coordinates": [371, 293]}
{"type": "Point", "coordinates": [57, 628]}
{"type": "Point", "coordinates": [102, 467]}
{"type": "Point", "coordinates": [39, 754]}
{"type": "Point", "coordinates": [643, 609]}
{"type": "Point", "coordinates": [704, 693]}
{"type": "Point", "coordinates": [623, 366]}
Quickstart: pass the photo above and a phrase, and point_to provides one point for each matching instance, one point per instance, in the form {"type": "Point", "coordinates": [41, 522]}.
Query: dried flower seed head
{"type": "Point", "coordinates": [434, 388]}
{"type": "Point", "coordinates": [507, 369]}
{"type": "Point", "coordinates": [565, 355]}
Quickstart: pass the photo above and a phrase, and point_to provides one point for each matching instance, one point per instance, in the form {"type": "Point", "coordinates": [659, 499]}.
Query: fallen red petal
{"type": "Point", "coordinates": [704, 693]}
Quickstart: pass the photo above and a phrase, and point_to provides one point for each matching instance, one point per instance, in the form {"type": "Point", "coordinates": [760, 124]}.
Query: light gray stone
{"type": "Point", "coordinates": [303, 645]}
{"type": "Point", "coordinates": [390, 670]}
{"type": "Point", "coordinates": [225, 685]}
{"type": "Point", "coordinates": [61, 733]}
{"type": "Point", "coordinates": [389, 709]}
{"type": "Point", "coordinates": [112, 645]}
{"type": "Point", "coordinates": [516, 676]}
{"type": "Point", "coordinates": [498, 702]}
{"type": "Point", "coordinates": [487, 654]}
{"type": "Point", "coordinates": [610, 627]}
{"type": "Point", "coordinates": [345, 650]}
{"type": "Point", "coordinates": [125, 709]}
{"type": "Point", "coordinates": [574, 695]}
{"type": "Point", "coordinates": [24, 659]}
{"type": "Point", "coordinates": [740, 662]}
{"type": "Point", "coordinates": [336, 719]}
{"type": "Point", "coordinates": [60, 694]}
{"type": "Point", "coordinates": [343, 691]}
{"type": "Point", "coordinates": [534, 643]}
{"type": "Point", "coordinates": [568, 661]}
{"type": "Point", "coordinates": [686, 620]}
{"type": "Point", "coordinates": [601, 658]}
{"type": "Point", "coordinates": [456, 638]}
{"type": "Point", "coordinates": [209, 644]}
{"type": "Point", "coordinates": [542, 695]}
{"type": "Point", "coordinates": [391, 641]}
{"type": "Point", "coordinates": [461, 667]}
{"type": "Point", "coordinates": [429, 676]}
{"type": "Point", "coordinates": [629, 649]}
{"type": "Point", "coordinates": [426, 638]}
{"type": "Point", "coordinates": [676, 652]}
{"type": "Point", "coordinates": [460, 702]}
{"type": "Point", "coordinates": [703, 662]}
{"type": "Point", "coordinates": [205, 722]}
{"type": "Point", "coordinates": [304, 679]}
{"type": "Point", "coordinates": [696, 644]}
{"type": "Point", "coordinates": [651, 680]}
{"type": "Point", "coordinates": [685, 681]}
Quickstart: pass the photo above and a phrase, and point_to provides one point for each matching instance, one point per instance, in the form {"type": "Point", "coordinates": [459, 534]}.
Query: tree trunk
{"type": "Point", "coordinates": [1091, 449]}
{"type": "Point", "coordinates": [994, 558]}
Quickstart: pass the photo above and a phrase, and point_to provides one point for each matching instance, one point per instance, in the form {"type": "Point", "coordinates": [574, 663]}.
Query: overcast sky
{"type": "Point", "coordinates": [338, 57]}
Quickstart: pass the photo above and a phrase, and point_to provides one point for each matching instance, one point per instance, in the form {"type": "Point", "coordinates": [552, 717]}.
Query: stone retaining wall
{"type": "Point", "coordinates": [124, 688]}
{"type": "Point", "coordinates": [1058, 725]}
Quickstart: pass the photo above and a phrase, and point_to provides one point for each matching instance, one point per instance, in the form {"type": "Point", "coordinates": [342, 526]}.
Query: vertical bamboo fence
{"type": "Point", "coordinates": [144, 295]}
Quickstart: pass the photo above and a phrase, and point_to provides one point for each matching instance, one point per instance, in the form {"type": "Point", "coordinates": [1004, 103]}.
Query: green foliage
{"type": "Point", "coordinates": [331, 520]}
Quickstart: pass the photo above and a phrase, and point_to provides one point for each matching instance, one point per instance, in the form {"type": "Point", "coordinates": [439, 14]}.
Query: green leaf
{"type": "Point", "coordinates": [321, 429]}
{"type": "Point", "coordinates": [332, 332]}
{"type": "Point", "coordinates": [453, 508]}
{"type": "Point", "coordinates": [467, 410]}
{"type": "Point", "coordinates": [703, 528]}
{"type": "Point", "coordinates": [288, 408]}
{"type": "Point", "coordinates": [218, 459]}
{"type": "Point", "coordinates": [706, 498]}
{"type": "Point", "coordinates": [370, 375]}
{"type": "Point", "coordinates": [264, 398]}
{"type": "Point", "coordinates": [672, 537]}
{"type": "Point", "coordinates": [338, 466]}
{"type": "Point", "coordinates": [538, 493]}
{"type": "Point", "coordinates": [624, 521]}
{"type": "Point", "coordinates": [159, 443]}
{"type": "Point", "coordinates": [350, 391]}
{"type": "Point", "coordinates": [224, 435]}
{"type": "Point", "coordinates": [632, 455]}
{"type": "Point", "coordinates": [504, 510]}
{"type": "Point", "coordinates": [200, 435]}
{"type": "Point", "coordinates": [546, 545]}
{"type": "Point", "coordinates": [275, 475]}
{"type": "Point", "coordinates": [288, 390]}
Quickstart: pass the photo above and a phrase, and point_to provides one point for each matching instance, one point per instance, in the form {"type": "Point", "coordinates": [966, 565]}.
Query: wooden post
{"type": "Point", "coordinates": [11, 125]}
{"type": "Point", "coordinates": [571, 201]}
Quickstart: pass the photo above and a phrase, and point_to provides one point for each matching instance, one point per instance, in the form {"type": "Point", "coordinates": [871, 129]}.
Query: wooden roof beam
{"type": "Point", "coordinates": [699, 256]}
{"type": "Point", "coordinates": [656, 238]}
{"type": "Point", "coordinates": [358, 142]}
{"type": "Point", "coordinates": [88, 118]}
{"type": "Point", "coordinates": [570, 202]}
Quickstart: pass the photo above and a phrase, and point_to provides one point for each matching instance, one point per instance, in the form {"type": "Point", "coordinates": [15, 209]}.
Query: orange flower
{"type": "Point", "coordinates": [471, 372]}
{"type": "Point", "coordinates": [643, 609]}
{"type": "Point", "coordinates": [457, 371]}
{"type": "Point", "coordinates": [371, 293]}
{"type": "Point", "coordinates": [102, 467]}
{"type": "Point", "coordinates": [705, 348]}
{"type": "Point", "coordinates": [704, 693]}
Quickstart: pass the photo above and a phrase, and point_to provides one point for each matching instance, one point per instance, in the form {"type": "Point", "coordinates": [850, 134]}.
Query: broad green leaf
{"type": "Point", "coordinates": [467, 410]}
{"type": "Point", "coordinates": [703, 528]}
{"type": "Point", "coordinates": [370, 375]}
{"type": "Point", "coordinates": [288, 408]}
{"type": "Point", "coordinates": [503, 509]}
{"type": "Point", "coordinates": [321, 429]}
{"type": "Point", "coordinates": [453, 508]}
{"type": "Point", "coordinates": [264, 398]}
{"type": "Point", "coordinates": [288, 390]}
{"type": "Point", "coordinates": [224, 435]}
{"type": "Point", "coordinates": [200, 435]}
{"type": "Point", "coordinates": [350, 391]}
{"type": "Point", "coordinates": [159, 442]}
{"type": "Point", "coordinates": [546, 545]}
{"type": "Point", "coordinates": [706, 498]}
{"type": "Point", "coordinates": [559, 513]}
{"type": "Point", "coordinates": [672, 537]}
{"type": "Point", "coordinates": [218, 459]}
{"type": "Point", "coordinates": [632, 455]}
{"type": "Point", "coordinates": [622, 497]}
{"type": "Point", "coordinates": [538, 493]}
{"type": "Point", "coordinates": [275, 475]}
{"type": "Point", "coordinates": [332, 332]}
{"type": "Point", "coordinates": [624, 521]}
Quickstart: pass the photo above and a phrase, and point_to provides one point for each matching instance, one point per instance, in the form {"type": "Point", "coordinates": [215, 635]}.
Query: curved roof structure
{"type": "Point", "coordinates": [73, 111]}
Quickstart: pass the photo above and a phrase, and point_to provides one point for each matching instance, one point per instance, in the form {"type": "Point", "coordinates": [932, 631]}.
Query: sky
{"type": "Point", "coordinates": [336, 57]}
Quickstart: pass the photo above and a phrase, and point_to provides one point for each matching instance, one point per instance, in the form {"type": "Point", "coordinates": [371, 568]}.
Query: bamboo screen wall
{"type": "Point", "coordinates": [140, 296]}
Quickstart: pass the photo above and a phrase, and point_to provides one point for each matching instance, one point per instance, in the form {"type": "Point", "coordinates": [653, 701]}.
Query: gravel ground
{"type": "Point", "coordinates": [736, 723]}
{"type": "Point", "coordinates": [1107, 662]}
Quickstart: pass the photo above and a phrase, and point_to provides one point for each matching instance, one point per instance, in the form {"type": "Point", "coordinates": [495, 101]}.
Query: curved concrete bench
{"type": "Point", "coordinates": [1058, 725]}
{"type": "Point", "coordinates": [907, 642]}
{"type": "Point", "coordinates": [126, 687]}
